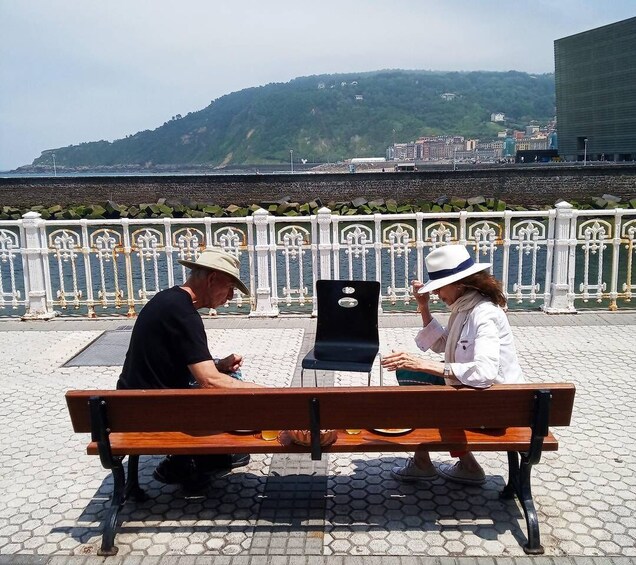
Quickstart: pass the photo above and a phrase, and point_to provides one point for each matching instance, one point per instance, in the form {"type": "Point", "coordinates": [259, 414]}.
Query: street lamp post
{"type": "Point", "coordinates": [291, 160]}
{"type": "Point", "coordinates": [585, 152]}
{"type": "Point", "coordinates": [454, 158]}
{"type": "Point", "coordinates": [54, 167]}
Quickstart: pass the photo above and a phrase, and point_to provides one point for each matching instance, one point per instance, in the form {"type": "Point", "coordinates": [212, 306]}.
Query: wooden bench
{"type": "Point", "coordinates": [511, 418]}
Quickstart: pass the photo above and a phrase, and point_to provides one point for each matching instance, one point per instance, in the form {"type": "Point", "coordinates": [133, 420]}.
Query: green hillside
{"type": "Point", "coordinates": [327, 118]}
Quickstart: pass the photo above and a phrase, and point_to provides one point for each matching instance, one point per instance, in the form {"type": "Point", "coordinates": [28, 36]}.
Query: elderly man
{"type": "Point", "coordinates": [168, 349]}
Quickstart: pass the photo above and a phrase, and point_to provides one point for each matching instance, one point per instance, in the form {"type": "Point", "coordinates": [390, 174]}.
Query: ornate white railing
{"type": "Point", "coordinates": [552, 259]}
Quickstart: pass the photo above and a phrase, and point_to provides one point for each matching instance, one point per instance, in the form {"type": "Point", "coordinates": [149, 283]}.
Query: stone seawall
{"type": "Point", "coordinates": [541, 185]}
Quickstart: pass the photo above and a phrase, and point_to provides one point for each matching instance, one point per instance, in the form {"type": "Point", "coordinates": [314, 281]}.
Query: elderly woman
{"type": "Point", "coordinates": [478, 347]}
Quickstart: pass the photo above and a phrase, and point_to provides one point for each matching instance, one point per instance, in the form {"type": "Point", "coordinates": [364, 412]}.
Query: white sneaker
{"type": "Point", "coordinates": [411, 473]}
{"type": "Point", "coordinates": [459, 474]}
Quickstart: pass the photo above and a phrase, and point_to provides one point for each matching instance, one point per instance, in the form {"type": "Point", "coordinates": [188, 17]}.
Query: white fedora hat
{"type": "Point", "coordinates": [448, 264]}
{"type": "Point", "coordinates": [218, 260]}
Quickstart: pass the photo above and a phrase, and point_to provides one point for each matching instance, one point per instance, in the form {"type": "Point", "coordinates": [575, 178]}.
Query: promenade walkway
{"type": "Point", "coordinates": [345, 509]}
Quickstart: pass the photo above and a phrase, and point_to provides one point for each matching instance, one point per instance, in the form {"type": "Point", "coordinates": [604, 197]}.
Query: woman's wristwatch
{"type": "Point", "coordinates": [448, 371]}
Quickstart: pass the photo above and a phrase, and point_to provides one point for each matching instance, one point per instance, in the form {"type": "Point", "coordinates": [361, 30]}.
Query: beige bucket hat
{"type": "Point", "coordinates": [218, 260]}
{"type": "Point", "coordinates": [449, 264]}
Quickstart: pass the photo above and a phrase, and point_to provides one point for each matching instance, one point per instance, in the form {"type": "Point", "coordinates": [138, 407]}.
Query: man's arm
{"type": "Point", "coordinates": [208, 376]}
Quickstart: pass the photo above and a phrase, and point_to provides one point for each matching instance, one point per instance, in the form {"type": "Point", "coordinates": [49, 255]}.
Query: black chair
{"type": "Point", "coordinates": [347, 328]}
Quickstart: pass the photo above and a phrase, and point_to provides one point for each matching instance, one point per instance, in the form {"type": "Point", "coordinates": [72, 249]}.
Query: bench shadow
{"type": "Point", "coordinates": [279, 503]}
{"type": "Point", "coordinates": [368, 499]}
{"type": "Point", "coordinates": [217, 502]}
{"type": "Point", "coordinates": [436, 506]}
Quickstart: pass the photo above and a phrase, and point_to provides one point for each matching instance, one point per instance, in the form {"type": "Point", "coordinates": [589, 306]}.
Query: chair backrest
{"type": "Point", "coordinates": [347, 324]}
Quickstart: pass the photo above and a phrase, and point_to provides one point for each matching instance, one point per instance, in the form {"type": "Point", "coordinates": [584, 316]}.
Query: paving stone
{"type": "Point", "coordinates": [54, 495]}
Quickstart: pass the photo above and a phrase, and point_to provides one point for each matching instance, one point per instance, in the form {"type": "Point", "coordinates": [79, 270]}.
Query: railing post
{"type": "Point", "coordinates": [562, 286]}
{"type": "Point", "coordinates": [34, 261]}
{"type": "Point", "coordinates": [264, 306]}
{"type": "Point", "coordinates": [325, 249]}
{"type": "Point", "coordinates": [324, 242]}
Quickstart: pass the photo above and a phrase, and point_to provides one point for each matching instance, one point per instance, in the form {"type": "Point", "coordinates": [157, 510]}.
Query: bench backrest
{"type": "Point", "coordinates": [197, 411]}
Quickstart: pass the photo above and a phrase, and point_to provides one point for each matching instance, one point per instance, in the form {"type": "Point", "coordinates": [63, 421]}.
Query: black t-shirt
{"type": "Point", "coordinates": [167, 337]}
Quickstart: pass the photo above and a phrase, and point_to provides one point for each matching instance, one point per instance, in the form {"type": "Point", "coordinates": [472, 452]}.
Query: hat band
{"type": "Point", "coordinates": [436, 275]}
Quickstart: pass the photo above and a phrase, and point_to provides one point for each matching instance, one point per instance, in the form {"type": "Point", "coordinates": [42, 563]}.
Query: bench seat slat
{"type": "Point", "coordinates": [508, 439]}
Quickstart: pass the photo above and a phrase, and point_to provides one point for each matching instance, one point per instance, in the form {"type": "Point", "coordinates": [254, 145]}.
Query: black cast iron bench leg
{"type": "Point", "coordinates": [519, 485]}
{"type": "Point", "coordinates": [117, 500]}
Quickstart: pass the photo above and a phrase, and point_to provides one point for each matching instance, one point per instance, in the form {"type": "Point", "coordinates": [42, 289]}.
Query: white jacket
{"type": "Point", "coordinates": [485, 352]}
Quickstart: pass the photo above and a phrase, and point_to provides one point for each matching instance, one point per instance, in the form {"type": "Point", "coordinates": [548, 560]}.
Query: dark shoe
{"type": "Point", "coordinates": [224, 461]}
{"type": "Point", "coordinates": [175, 469]}
{"type": "Point", "coordinates": [197, 485]}
{"type": "Point", "coordinates": [239, 460]}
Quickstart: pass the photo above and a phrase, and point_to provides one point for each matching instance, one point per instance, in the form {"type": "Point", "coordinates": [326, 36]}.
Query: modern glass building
{"type": "Point", "coordinates": [595, 75]}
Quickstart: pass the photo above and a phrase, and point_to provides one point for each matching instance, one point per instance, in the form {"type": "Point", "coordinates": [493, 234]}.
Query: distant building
{"type": "Point", "coordinates": [405, 167]}
{"type": "Point", "coordinates": [532, 143]}
{"type": "Point", "coordinates": [359, 97]}
{"type": "Point", "coordinates": [497, 117]}
{"type": "Point", "coordinates": [510, 147]}
{"type": "Point", "coordinates": [595, 77]}
{"type": "Point", "coordinates": [403, 152]}
{"type": "Point", "coordinates": [448, 96]}
{"type": "Point", "coordinates": [367, 160]}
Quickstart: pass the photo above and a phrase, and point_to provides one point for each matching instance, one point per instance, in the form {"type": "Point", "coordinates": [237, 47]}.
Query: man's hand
{"type": "Point", "coordinates": [207, 374]}
{"type": "Point", "coordinates": [230, 364]}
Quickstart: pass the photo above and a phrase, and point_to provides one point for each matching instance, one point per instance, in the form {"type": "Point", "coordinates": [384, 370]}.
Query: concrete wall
{"type": "Point", "coordinates": [523, 185]}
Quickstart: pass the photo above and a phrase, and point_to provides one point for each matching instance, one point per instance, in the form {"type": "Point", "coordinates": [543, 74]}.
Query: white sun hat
{"type": "Point", "coordinates": [218, 260]}
{"type": "Point", "coordinates": [449, 264]}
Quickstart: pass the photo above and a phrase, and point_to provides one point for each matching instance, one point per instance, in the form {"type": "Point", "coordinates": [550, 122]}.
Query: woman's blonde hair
{"type": "Point", "coordinates": [487, 285]}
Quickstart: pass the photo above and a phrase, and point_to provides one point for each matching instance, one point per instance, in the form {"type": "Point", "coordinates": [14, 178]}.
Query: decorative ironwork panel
{"type": "Point", "coordinates": [294, 241]}
{"type": "Point", "coordinates": [441, 233]}
{"type": "Point", "coordinates": [400, 239]}
{"type": "Point", "coordinates": [593, 236]}
{"type": "Point", "coordinates": [484, 236]}
{"type": "Point", "coordinates": [149, 244]}
{"type": "Point", "coordinates": [527, 238]}
{"type": "Point", "coordinates": [628, 239]}
{"type": "Point", "coordinates": [232, 240]}
{"type": "Point", "coordinates": [9, 248]}
{"type": "Point", "coordinates": [188, 242]}
{"type": "Point", "coordinates": [357, 240]}
{"type": "Point", "coordinates": [66, 247]}
{"type": "Point", "coordinates": [106, 246]}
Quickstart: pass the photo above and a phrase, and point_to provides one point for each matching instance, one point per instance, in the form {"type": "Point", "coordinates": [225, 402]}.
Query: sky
{"type": "Point", "coordinates": [73, 71]}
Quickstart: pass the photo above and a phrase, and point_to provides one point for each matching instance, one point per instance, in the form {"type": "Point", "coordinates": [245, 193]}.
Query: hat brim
{"type": "Point", "coordinates": [238, 282]}
{"type": "Point", "coordinates": [439, 283]}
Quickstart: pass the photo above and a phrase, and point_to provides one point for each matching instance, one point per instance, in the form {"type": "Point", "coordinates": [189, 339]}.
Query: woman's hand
{"type": "Point", "coordinates": [402, 360]}
{"type": "Point", "coordinates": [422, 301]}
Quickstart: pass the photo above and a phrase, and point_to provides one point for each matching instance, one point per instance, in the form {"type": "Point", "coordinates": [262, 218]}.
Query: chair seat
{"type": "Point", "coordinates": [338, 364]}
